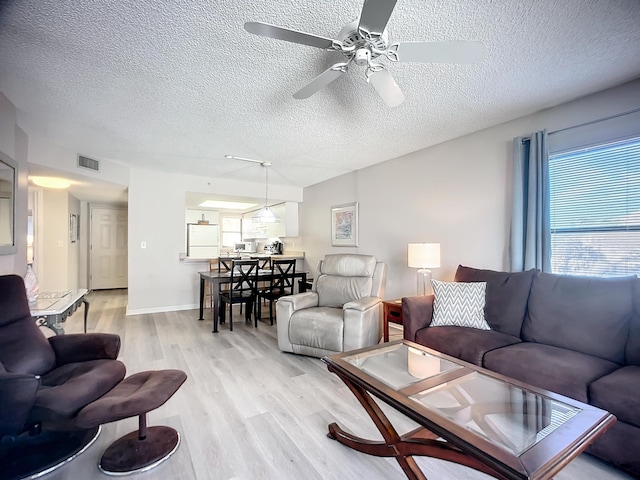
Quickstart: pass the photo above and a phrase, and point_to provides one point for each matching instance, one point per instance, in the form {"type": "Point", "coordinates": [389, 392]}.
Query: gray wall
{"type": "Point", "coordinates": [457, 193]}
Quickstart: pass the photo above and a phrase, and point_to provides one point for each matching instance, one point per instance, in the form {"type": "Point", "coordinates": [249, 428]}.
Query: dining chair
{"type": "Point", "coordinates": [264, 263]}
{"type": "Point", "coordinates": [223, 265]}
{"type": "Point", "coordinates": [241, 289]}
{"type": "Point", "coordinates": [208, 293]}
{"type": "Point", "coordinates": [281, 284]}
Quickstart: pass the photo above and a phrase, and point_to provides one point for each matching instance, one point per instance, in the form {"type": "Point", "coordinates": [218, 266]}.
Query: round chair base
{"type": "Point", "coordinates": [130, 454]}
{"type": "Point", "coordinates": [31, 456]}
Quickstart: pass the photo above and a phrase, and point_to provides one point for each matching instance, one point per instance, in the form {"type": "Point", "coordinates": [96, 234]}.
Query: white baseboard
{"type": "Point", "coordinates": [169, 308]}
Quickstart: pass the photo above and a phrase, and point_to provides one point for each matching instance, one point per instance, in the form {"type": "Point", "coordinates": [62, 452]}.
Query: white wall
{"type": "Point", "coordinates": [158, 280]}
{"type": "Point", "coordinates": [457, 193]}
{"type": "Point", "coordinates": [14, 143]}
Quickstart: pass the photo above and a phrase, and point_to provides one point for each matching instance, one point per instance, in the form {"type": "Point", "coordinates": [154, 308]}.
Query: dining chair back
{"type": "Point", "coordinates": [224, 263]}
{"type": "Point", "coordinates": [242, 289]}
{"type": "Point", "coordinates": [264, 263]}
{"type": "Point", "coordinates": [281, 284]}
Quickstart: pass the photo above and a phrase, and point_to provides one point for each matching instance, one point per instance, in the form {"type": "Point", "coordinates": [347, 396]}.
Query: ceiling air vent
{"type": "Point", "coordinates": [90, 163]}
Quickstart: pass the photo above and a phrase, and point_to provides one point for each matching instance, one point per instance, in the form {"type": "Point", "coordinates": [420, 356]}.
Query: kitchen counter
{"type": "Point", "coordinates": [284, 256]}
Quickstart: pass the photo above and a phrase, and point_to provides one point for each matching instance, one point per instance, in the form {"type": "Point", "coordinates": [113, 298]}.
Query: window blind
{"type": "Point", "coordinates": [595, 210]}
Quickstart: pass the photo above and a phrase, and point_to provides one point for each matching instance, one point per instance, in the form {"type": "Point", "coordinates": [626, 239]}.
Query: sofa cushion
{"type": "Point", "coordinates": [619, 393]}
{"type": "Point", "coordinates": [551, 368]}
{"type": "Point", "coordinates": [586, 314]}
{"type": "Point", "coordinates": [459, 304]}
{"type": "Point", "coordinates": [506, 299]}
{"type": "Point", "coordinates": [468, 344]}
{"type": "Point", "coordinates": [619, 446]}
{"type": "Point", "coordinates": [632, 349]}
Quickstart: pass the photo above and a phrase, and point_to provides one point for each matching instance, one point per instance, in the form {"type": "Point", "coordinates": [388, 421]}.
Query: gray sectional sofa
{"type": "Point", "coordinates": [577, 336]}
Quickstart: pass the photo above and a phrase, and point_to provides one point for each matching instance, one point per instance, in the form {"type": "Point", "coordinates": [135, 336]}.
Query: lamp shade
{"type": "Point", "coordinates": [423, 255]}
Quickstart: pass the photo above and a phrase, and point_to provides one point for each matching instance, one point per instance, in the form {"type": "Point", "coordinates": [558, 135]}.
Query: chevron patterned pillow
{"type": "Point", "coordinates": [459, 304]}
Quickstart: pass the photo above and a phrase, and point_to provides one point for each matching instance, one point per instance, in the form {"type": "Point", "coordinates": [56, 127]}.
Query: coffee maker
{"type": "Point", "coordinates": [273, 246]}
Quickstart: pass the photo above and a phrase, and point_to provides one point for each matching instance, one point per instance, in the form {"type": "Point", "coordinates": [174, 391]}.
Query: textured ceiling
{"type": "Point", "coordinates": [176, 85]}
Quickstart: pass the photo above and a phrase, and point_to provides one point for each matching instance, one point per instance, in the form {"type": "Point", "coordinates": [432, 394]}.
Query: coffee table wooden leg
{"type": "Point", "coordinates": [419, 442]}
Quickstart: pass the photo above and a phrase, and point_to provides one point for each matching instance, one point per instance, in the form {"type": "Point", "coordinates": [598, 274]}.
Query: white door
{"type": "Point", "coordinates": [108, 248]}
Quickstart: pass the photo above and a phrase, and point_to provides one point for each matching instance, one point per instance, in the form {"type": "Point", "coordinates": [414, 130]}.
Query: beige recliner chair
{"type": "Point", "coordinates": [342, 312]}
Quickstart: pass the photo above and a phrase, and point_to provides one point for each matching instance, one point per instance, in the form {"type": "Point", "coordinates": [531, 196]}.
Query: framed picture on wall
{"type": "Point", "coordinates": [73, 228]}
{"type": "Point", "coordinates": [344, 225]}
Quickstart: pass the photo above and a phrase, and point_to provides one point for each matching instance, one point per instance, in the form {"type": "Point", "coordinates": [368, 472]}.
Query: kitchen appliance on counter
{"type": "Point", "coordinates": [246, 247]}
{"type": "Point", "coordinates": [273, 246]}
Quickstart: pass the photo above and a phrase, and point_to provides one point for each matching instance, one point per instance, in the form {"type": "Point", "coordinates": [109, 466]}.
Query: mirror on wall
{"type": "Point", "coordinates": [7, 205]}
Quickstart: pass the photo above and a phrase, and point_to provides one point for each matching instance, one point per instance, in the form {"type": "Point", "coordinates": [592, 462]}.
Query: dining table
{"type": "Point", "coordinates": [218, 278]}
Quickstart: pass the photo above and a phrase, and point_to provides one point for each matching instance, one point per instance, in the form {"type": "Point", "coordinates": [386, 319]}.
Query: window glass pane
{"type": "Point", "coordinates": [229, 239]}
{"type": "Point", "coordinates": [595, 210]}
{"type": "Point", "coordinates": [231, 224]}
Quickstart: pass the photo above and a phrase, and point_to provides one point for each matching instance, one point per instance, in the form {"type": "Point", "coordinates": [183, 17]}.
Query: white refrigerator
{"type": "Point", "coordinates": [203, 241]}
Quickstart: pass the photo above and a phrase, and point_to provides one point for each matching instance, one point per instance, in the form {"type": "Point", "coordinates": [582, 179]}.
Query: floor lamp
{"type": "Point", "coordinates": [424, 256]}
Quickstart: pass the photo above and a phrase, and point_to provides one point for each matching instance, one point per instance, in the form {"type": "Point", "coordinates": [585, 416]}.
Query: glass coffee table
{"type": "Point", "coordinates": [468, 415]}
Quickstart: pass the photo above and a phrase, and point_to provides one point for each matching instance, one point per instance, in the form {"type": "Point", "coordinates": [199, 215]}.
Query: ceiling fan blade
{"type": "Point", "coordinates": [375, 16]}
{"type": "Point", "coordinates": [288, 35]}
{"type": "Point", "coordinates": [325, 78]}
{"type": "Point", "coordinates": [440, 52]}
{"type": "Point", "coordinates": [386, 87]}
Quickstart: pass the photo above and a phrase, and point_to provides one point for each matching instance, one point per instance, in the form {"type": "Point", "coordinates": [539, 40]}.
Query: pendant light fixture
{"type": "Point", "coordinates": [266, 215]}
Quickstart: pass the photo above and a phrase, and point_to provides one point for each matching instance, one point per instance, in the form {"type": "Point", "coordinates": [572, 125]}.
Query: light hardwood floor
{"type": "Point", "coordinates": [247, 410]}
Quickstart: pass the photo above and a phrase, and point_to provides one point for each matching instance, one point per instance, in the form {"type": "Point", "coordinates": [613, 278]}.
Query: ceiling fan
{"type": "Point", "coordinates": [363, 42]}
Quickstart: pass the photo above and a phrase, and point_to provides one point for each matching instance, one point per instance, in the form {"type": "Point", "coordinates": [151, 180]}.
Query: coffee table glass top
{"type": "Point", "coordinates": [399, 366]}
{"type": "Point", "coordinates": [518, 430]}
{"type": "Point", "coordinates": [505, 414]}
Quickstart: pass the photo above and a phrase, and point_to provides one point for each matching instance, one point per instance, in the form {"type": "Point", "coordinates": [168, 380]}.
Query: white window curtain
{"type": "Point", "coordinates": [530, 245]}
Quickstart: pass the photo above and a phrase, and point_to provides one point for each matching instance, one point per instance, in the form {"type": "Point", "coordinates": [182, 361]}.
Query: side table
{"type": "Point", "coordinates": [391, 312]}
{"type": "Point", "coordinates": [52, 308]}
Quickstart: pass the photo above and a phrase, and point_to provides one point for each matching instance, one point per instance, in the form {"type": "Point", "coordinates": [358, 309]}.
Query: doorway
{"type": "Point", "coordinates": [108, 248]}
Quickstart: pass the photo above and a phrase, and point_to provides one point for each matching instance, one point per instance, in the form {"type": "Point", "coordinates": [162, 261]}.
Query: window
{"type": "Point", "coordinates": [595, 210]}
{"type": "Point", "coordinates": [231, 231]}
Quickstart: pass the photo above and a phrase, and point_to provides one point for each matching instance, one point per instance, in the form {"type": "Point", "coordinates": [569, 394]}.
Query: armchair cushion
{"type": "Point", "coordinates": [83, 347]}
{"type": "Point", "coordinates": [322, 327]}
{"type": "Point", "coordinates": [335, 291]}
{"type": "Point", "coordinates": [349, 265]}
{"type": "Point", "coordinates": [67, 389]}
{"type": "Point", "coordinates": [32, 354]}
{"type": "Point", "coordinates": [17, 394]}
{"type": "Point", "coordinates": [343, 278]}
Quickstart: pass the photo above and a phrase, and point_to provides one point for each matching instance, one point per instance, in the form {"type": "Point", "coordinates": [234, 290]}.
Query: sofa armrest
{"type": "Point", "coordinates": [362, 304]}
{"type": "Point", "coordinates": [82, 347]}
{"type": "Point", "coordinates": [416, 314]}
{"type": "Point", "coordinates": [17, 395]}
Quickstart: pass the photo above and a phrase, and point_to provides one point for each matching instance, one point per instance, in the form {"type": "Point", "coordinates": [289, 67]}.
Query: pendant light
{"type": "Point", "coordinates": [266, 215]}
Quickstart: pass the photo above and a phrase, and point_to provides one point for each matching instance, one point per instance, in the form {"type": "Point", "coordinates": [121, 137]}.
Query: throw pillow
{"type": "Point", "coordinates": [459, 304]}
